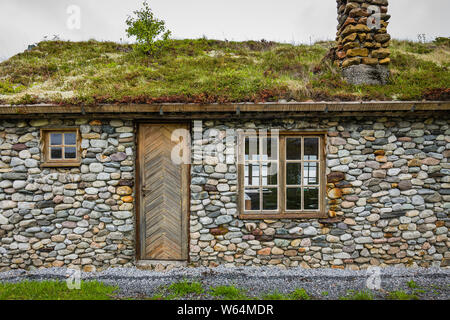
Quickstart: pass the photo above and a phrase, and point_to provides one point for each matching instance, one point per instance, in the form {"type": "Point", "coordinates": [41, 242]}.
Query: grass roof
{"type": "Point", "coordinates": [211, 71]}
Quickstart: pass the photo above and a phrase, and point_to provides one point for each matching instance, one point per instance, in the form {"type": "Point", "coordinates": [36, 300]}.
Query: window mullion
{"type": "Point", "coordinates": [282, 172]}
{"type": "Point", "coordinates": [302, 173]}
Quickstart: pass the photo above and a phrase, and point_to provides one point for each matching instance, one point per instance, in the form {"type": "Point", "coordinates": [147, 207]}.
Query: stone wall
{"type": "Point", "coordinates": [388, 198]}
{"type": "Point", "coordinates": [363, 41]}
{"type": "Point", "coordinates": [81, 216]}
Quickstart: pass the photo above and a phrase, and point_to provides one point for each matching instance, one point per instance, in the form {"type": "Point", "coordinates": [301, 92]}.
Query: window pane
{"type": "Point", "coordinates": [311, 198]}
{"type": "Point", "coordinates": [55, 139]}
{"type": "Point", "coordinates": [270, 147]}
{"type": "Point", "coordinates": [293, 173]}
{"type": "Point", "coordinates": [70, 152]}
{"type": "Point", "coordinates": [269, 173]}
{"type": "Point", "coordinates": [310, 173]}
{"type": "Point", "coordinates": [293, 199]}
{"type": "Point", "coordinates": [56, 153]}
{"type": "Point", "coordinates": [251, 199]}
{"type": "Point", "coordinates": [311, 149]}
{"type": "Point", "coordinates": [293, 148]}
{"type": "Point", "coordinates": [251, 171]}
{"type": "Point", "coordinates": [270, 199]}
{"type": "Point", "coordinates": [251, 148]}
{"type": "Point", "coordinates": [70, 139]}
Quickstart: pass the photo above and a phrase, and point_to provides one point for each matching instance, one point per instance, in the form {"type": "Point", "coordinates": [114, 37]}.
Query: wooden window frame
{"type": "Point", "coordinates": [282, 213]}
{"type": "Point", "coordinates": [45, 148]}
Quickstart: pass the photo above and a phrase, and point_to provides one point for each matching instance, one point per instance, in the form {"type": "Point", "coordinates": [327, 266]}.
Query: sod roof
{"type": "Point", "coordinates": [210, 71]}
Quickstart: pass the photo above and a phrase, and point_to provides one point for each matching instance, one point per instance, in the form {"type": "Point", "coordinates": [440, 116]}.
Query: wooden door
{"type": "Point", "coordinates": [163, 194]}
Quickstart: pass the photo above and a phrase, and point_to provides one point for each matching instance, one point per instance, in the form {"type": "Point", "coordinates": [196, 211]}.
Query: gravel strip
{"type": "Point", "coordinates": [257, 281]}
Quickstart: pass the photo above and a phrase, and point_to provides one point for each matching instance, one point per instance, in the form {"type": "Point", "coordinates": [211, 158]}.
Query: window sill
{"type": "Point", "coordinates": [64, 164]}
{"type": "Point", "coordinates": [303, 215]}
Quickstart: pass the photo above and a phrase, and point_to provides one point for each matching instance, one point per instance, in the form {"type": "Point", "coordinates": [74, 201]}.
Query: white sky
{"type": "Point", "coordinates": [23, 22]}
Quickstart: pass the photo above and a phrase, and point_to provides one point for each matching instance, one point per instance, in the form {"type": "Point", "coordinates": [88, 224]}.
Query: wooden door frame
{"type": "Point", "coordinates": [138, 187]}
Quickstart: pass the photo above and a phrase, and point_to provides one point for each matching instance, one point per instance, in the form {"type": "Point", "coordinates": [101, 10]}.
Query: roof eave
{"type": "Point", "coordinates": [237, 108]}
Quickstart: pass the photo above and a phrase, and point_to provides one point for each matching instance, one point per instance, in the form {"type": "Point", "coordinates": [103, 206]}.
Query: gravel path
{"type": "Point", "coordinates": [435, 282]}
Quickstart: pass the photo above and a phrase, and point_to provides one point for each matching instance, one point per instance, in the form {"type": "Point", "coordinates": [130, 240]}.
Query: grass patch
{"type": "Point", "coordinates": [56, 290]}
{"type": "Point", "coordinates": [205, 71]}
{"type": "Point", "coordinates": [228, 293]}
{"type": "Point", "coordinates": [401, 295]}
{"type": "Point", "coordinates": [358, 295]}
{"type": "Point", "coordinates": [185, 287]}
{"type": "Point", "coordinates": [412, 284]}
{"type": "Point", "coordinates": [275, 296]}
{"type": "Point", "coordinates": [297, 294]}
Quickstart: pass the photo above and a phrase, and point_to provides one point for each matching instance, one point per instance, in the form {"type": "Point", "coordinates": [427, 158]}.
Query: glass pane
{"type": "Point", "coordinates": [311, 149]}
{"type": "Point", "coordinates": [270, 147]}
{"type": "Point", "coordinates": [55, 139]}
{"type": "Point", "coordinates": [293, 199]}
{"type": "Point", "coordinates": [70, 152]}
{"type": "Point", "coordinates": [70, 139]}
{"type": "Point", "coordinates": [310, 173]}
{"type": "Point", "coordinates": [251, 199]}
{"type": "Point", "coordinates": [293, 173]}
{"type": "Point", "coordinates": [270, 199]}
{"type": "Point", "coordinates": [56, 153]}
{"type": "Point", "coordinates": [251, 172]}
{"type": "Point", "coordinates": [293, 148]}
{"type": "Point", "coordinates": [251, 148]}
{"type": "Point", "coordinates": [269, 173]}
{"type": "Point", "coordinates": [311, 198]}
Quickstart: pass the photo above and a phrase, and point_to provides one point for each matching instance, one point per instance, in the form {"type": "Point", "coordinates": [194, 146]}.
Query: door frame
{"type": "Point", "coordinates": [138, 179]}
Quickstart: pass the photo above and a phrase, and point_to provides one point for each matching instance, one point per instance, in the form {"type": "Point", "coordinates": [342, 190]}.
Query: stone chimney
{"type": "Point", "coordinates": [362, 41]}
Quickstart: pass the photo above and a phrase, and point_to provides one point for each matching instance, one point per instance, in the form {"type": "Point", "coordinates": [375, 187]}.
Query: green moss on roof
{"type": "Point", "coordinates": [208, 71]}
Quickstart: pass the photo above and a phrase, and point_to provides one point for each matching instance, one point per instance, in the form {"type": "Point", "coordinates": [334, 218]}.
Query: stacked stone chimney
{"type": "Point", "coordinates": [363, 41]}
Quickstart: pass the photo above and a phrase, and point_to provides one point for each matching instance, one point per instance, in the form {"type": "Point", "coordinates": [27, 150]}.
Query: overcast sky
{"type": "Point", "coordinates": [23, 22]}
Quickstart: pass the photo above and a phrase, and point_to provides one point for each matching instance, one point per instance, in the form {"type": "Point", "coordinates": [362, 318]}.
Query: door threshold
{"type": "Point", "coordinates": [152, 264]}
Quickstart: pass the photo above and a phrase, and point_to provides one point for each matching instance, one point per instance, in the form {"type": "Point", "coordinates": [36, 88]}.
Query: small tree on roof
{"type": "Point", "coordinates": [150, 32]}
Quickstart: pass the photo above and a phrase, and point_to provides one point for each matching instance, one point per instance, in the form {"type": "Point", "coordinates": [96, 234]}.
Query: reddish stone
{"type": "Point", "coordinates": [126, 182]}
{"type": "Point", "coordinates": [405, 139]}
{"type": "Point", "coordinates": [58, 199]}
{"type": "Point", "coordinates": [431, 161]}
{"type": "Point", "coordinates": [290, 253]}
{"type": "Point", "coordinates": [335, 177]}
{"type": "Point", "coordinates": [257, 232]}
{"type": "Point", "coordinates": [341, 54]}
{"type": "Point", "coordinates": [220, 231]}
{"type": "Point", "coordinates": [264, 252]}
{"type": "Point", "coordinates": [379, 152]}
{"type": "Point", "coordinates": [19, 147]}
{"type": "Point", "coordinates": [405, 185]}
{"type": "Point", "coordinates": [210, 187]}
{"type": "Point", "coordinates": [118, 156]}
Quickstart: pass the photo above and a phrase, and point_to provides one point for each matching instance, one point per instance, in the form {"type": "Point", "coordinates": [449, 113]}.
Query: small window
{"type": "Point", "coordinates": [281, 176]}
{"type": "Point", "coordinates": [61, 147]}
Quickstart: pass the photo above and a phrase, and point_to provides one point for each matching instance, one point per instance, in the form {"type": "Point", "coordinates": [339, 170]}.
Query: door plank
{"type": "Point", "coordinates": [164, 208]}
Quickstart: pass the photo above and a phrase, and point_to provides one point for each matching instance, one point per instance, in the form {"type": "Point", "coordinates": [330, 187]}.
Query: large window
{"type": "Point", "coordinates": [282, 175]}
{"type": "Point", "coordinates": [60, 147]}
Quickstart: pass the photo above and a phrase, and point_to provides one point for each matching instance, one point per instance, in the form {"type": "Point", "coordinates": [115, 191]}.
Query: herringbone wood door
{"type": "Point", "coordinates": [163, 197]}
